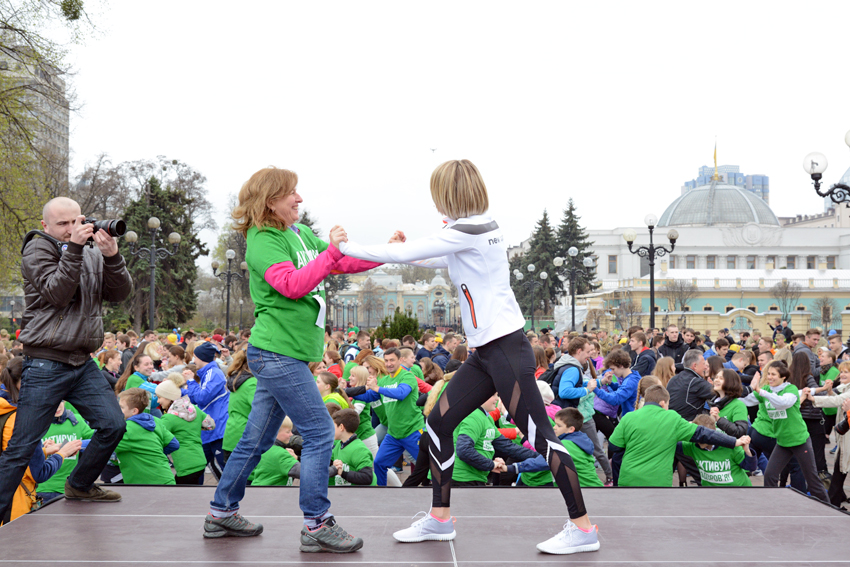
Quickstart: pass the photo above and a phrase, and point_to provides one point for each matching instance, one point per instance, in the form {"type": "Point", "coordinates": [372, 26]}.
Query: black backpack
{"type": "Point", "coordinates": [548, 376]}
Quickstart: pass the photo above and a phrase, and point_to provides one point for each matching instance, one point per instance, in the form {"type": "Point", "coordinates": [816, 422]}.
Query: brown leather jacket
{"type": "Point", "coordinates": [64, 292]}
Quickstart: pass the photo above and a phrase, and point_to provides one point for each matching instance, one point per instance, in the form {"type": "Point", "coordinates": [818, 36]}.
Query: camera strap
{"type": "Point", "coordinates": [62, 246]}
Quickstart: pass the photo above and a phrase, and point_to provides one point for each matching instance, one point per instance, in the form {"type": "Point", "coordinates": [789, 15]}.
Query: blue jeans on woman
{"type": "Point", "coordinates": [285, 387]}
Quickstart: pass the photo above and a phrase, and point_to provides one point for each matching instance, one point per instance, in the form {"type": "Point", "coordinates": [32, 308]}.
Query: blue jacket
{"type": "Point", "coordinates": [624, 393]}
{"type": "Point", "coordinates": [212, 397]}
{"type": "Point", "coordinates": [440, 356]}
{"type": "Point", "coordinates": [644, 362]}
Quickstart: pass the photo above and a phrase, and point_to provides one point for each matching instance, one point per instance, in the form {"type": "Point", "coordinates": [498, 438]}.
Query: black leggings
{"type": "Point", "coordinates": [817, 433]}
{"type": "Point", "coordinates": [505, 365]}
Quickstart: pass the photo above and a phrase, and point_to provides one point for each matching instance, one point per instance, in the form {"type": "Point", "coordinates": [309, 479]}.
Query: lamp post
{"type": "Point", "coordinates": [815, 164]}
{"type": "Point", "coordinates": [240, 313]}
{"type": "Point", "coordinates": [228, 277]}
{"type": "Point", "coordinates": [356, 303]}
{"type": "Point", "coordinates": [531, 284]}
{"type": "Point", "coordinates": [573, 272]}
{"type": "Point", "coordinates": [439, 309]}
{"type": "Point", "coordinates": [12, 314]}
{"type": "Point", "coordinates": [651, 252]}
{"type": "Point", "coordinates": [153, 253]}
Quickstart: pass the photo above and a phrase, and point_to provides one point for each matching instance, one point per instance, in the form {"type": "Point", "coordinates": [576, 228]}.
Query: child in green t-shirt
{"type": "Point", "coordinates": [279, 465]}
{"type": "Point", "coordinates": [186, 421]}
{"type": "Point", "coordinates": [365, 432]}
{"type": "Point", "coordinates": [328, 385]}
{"type": "Point", "coordinates": [644, 443]}
{"type": "Point", "coordinates": [351, 458]}
{"type": "Point", "coordinates": [781, 401]}
{"type": "Point", "coordinates": [719, 466]}
{"type": "Point", "coordinates": [67, 426]}
{"type": "Point", "coordinates": [143, 449]}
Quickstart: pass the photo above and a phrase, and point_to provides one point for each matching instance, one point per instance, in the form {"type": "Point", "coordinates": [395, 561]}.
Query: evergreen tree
{"type": "Point", "coordinates": [175, 301]}
{"type": "Point", "coordinates": [542, 251]}
{"type": "Point", "coordinates": [570, 233]}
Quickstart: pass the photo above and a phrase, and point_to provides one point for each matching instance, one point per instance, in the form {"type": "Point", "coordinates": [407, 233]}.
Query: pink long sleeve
{"type": "Point", "coordinates": [349, 265]}
{"type": "Point", "coordinates": [296, 283]}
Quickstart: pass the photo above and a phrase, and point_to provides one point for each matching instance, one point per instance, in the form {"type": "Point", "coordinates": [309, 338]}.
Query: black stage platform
{"type": "Point", "coordinates": [496, 527]}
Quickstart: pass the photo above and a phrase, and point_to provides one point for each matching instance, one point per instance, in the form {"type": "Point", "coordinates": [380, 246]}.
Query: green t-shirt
{"type": "Point", "coordinates": [354, 456]}
{"type": "Point", "coordinates": [831, 374]}
{"type": "Point", "coordinates": [136, 380]}
{"type": "Point", "coordinates": [788, 424]}
{"type": "Point", "coordinates": [337, 399]}
{"type": "Point", "coordinates": [416, 370]}
{"type": "Point", "coordinates": [346, 370]}
{"type": "Point", "coordinates": [238, 410]}
{"type": "Point", "coordinates": [649, 436]}
{"type": "Point", "coordinates": [189, 458]}
{"type": "Point", "coordinates": [481, 428]}
{"type": "Point", "coordinates": [140, 454]}
{"type": "Point", "coordinates": [720, 467]}
{"type": "Point", "coordinates": [62, 433]}
{"type": "Point", "coordinates": [734, 411]}
{"type": "Point", "coordinates": [763, 424]}
{"type": "Point", "coordinates": [291, 327]}
{"type": "Point", "coordinates": [365, 429]}
{"type": "Point", "coordinates": [404, 418]}
{"type": "Point", "coordinates": [273, 468]}
{"type": "Point", "coordinates": [584, 463]}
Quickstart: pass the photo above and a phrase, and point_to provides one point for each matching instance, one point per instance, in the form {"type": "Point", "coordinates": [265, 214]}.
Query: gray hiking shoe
{"type": "Point", "coordinates": [329, 538]}
{"type": "Point", "coordinates": [94, 494]}
{"type": "Point", "coordinates": [234, 525]}
{"type": "Point", "coordinates": [426, 529]}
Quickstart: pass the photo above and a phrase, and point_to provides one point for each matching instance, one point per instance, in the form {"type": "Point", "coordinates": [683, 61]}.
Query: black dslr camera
{"type": "Point", "coordinates": [114, 227]}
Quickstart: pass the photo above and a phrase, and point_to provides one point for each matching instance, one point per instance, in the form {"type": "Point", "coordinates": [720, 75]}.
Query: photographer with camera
{"type": "Point", "coordinates": [65, 283]}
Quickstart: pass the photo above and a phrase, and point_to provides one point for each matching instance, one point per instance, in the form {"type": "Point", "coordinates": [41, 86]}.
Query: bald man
{"type": "Point", "coordinates": [65, 284]}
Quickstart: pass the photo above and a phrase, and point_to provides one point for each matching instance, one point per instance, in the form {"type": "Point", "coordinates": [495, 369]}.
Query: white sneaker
{"type": "Point", "coordinates": [426, 529]}
{"type": "Point", "coordinates": [571, 540]}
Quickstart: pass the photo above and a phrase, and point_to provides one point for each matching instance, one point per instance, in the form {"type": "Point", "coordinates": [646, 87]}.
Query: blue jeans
{"type": "Point", "coordinates": [44, 384]}
{"type": "Point", "coordinates": [285, 387]}
{"type": "Point", "coordinates": [389, 452]}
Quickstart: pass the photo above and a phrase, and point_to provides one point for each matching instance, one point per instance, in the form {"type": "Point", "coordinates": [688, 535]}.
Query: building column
{"type": "Point", "coordinates": [741, 262]}
{"type": "Point", "coordinates": [821, 263]}
{"type": "Point", "coordinates": [782, 262]}
{"type": "Point", "coordinates": [702, 262]}
{"type": "Point", "coordinates": [761, 261]}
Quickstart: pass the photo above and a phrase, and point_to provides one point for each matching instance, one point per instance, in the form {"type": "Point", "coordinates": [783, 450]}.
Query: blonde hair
{"type": "Point", "coordinates": [152, 350]}
{"type": "Point", "coordinates": [266, 185]}
{"type": "Point", "coordinates": [360, 374]}
{"type": "Point", "coordinates": [664, 370]}
{"type": "Point", "coordinates": [458, 189]}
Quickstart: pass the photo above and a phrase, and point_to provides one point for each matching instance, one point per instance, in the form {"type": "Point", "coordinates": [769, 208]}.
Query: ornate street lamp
{"type": "Point", "coordinates": [651, 252]}
{"type": "Point", "coordinates": [240, 313]}
{"type": "Point", "coordinates": [815, 164]}
{"type": "Point", "coordinates": [228, 277]}
{"type": "Point", "coordinates": [572, 273]}
{"type": "Point", "coordinates": [151, 254]}
{"type": "Point", "coordinates": [531, 284]}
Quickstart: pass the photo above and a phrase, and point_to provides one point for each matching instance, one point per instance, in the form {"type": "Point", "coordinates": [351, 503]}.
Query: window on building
{"type": "Point", "coordinates": [751, 262]}
{"type": "Point", "coordinates": [691, 262]}
{"type": "Point", "coordinates": [730, 262]}
{"type": "Point", "coordinates": [729, 308]}
{"type": "Point", "coordinates": [710, 262]}
{"type": "Point", "coordinates": [801, 308]}
{"type": "Point", "coordinates": [708, 308]}
{"type": "Point", "coordinates": [686, 308]}
{"type": "Point", "coordinates": [773, 308]}
{"type": "Point", "coordinates": [830, 262]}
{"type": "Point", "coordinates": [672, 262]}
{"type": "Point", "coordinates": [811, 263]}
{"type": "Point", "coordinates": [791, 262]}
{"type": "Point", "coordinates": [752, 308]}
{"type": "Point", "coordinates": [656, 309]}
{"type": "Point", "coordinates": [612, 264]}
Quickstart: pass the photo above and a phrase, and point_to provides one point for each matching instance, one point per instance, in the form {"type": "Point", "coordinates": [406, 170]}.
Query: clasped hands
{"type": "Point", "coordinates": [338, 235]}
{"type": "Point", "coordinates": [499, 465]}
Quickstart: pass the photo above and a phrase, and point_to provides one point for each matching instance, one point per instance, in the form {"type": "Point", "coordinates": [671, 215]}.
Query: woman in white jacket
{"type": "Point", "coordinates": [473, 248]}
{"type": "Point", "coordinates": [836, 398]}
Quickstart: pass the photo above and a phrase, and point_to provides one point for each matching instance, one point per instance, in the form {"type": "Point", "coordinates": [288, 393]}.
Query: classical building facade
{"type": "Point", "coordinates": [368, 300]}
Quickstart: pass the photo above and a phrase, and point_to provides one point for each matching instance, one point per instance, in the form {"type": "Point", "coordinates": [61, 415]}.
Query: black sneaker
{"type": "Point", "coordinates": [330, 538]}
{"type": "Point", "coordinates": [234, 525]}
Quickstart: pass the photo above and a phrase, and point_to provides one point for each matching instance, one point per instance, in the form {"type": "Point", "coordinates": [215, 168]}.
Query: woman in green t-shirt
{"type": "Point", "coordinates": [781, 401]}
{"type": "Point", "coordinates": [328, 385]}
{"type": "Point", "coordinates": [287, 264]}
{"type": "Point", "coordinates": [727, 408]}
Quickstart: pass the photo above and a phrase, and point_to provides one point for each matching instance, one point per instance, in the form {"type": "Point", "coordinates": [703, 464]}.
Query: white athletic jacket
{"type": "Point", "coordinates": [476, 255]}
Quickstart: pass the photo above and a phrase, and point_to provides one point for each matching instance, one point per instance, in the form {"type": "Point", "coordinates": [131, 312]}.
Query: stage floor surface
{"type": "Point", "coordinates": [495, 526]}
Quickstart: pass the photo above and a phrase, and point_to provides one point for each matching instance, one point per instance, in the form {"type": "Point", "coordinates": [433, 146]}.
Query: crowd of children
{"type": "Point", "coordinates": [746, 412]}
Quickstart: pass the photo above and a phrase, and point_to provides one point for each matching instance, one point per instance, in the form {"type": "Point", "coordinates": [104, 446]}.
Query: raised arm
{"type": "Point", "coordinates": [428, 252]}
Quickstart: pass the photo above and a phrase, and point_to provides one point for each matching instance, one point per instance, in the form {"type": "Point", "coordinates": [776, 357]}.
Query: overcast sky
{"type": "Point", "coordinates": [614, 104]}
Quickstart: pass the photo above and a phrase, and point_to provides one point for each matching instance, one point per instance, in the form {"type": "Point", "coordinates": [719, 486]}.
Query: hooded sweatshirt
{"type": "Point", "coordinates": [568, 386]}
{"type": "Point", "coordinates": [40, 468]}
{"type": "Point", "coordinates": [212, 397]}
{"type": "Point", "coordinates": [535, 472]}
{"type": "Point", "coordinates": [143, 449]}
{"type": "Point", "coordinates": [242, 388]}
{"type": "Point", "coordinates": [187, 422]}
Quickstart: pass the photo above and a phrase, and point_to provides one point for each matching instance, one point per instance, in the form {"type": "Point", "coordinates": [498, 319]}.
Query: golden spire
{"type": "Point", "coordinates": [716, 175]}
